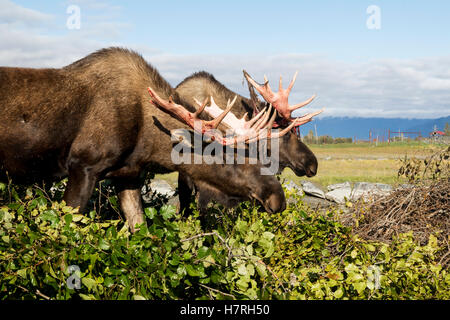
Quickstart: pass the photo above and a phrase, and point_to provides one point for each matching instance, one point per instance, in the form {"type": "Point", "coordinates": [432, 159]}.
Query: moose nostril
{"type": "Point", "coordinates": [311, 171]}
{"type": "Point", "coordinates": [276, 203]}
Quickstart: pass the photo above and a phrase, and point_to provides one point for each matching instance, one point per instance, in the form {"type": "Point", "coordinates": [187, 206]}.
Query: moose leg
{"type": "Point", "coordinates": [203, 199]}
{"type": "Point", "coordinates": [129, 194]}
{"type": "Point", "coordinates": [85, 165]}
{"type": "Point", "coordinates": [185, 187]}
{"type": "Point", "coordinates": [80, 186]}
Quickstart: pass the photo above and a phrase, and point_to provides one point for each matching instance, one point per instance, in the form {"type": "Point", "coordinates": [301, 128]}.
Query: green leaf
{"type": "Point", "coordinates": [242, 284]}
{"type": "Point", "coordinates": [338, 293]}
{"type": "Point", "coordinates": [42, 202]}
{"type": "Point", "coordinates": [261, 269]}
{"type": "Point", "coordinates": [50, 216]}
{"type": "Point", "coordinates": [52, 273]}
{"type": "Point", "coordinates": [87, 296]}
{"type": "Point", "coordinates": [150, 213]}
{"type": "Point", "coordinates": [168, 211]}
{"type": "Point", "coordinates": [113, 201]}
{"type": "Point", "coordinates": [432, 241]}
{"type": "Point", "coordinates": [241, 226]}
{"type": "Point", "coordinates": [250, 269]}
{"type": "Point", "coordinates": [192, 271]}
{"type": "Point", "coordinates": [77, 217]}
{"type": "Point", "coordinates": [33, 279]}
{"type": "Point", "coordinates": [181, 270]}
{"type": "Point", "coordinates": [22, 273]}
{"type": "Point", "coordinates": [308, 256]}
{"type": "Point", "coordinates": [351, 267]}
{"type": "Point", "coordinates": [103, 244]}
{"type": "Point", "coordinates": [359, 286]}
{"type": "Point", "coordinates": [202, 252]}
{"type": "Point", "coordinates": [175, 260]}
{"type": "Point", "coordinates": [208, 261]}
{"type": "Point", "coordinates": [89, 283]}
{"type": "Point", "coordinates": [268, 235]}
{"type": "Point", "coordinates": [187, 256]}
{"type": "Point", "coordinates": [353, 276]}
{"type": "Point", "coordinates": [242, 270]}
{"type": "Point", "coordinates": [68, 219]}
{"type": "Point", "coordinates": [109, 282]}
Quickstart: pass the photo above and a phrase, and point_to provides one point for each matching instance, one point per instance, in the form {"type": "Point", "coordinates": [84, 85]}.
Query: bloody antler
{"type": "Point", "coordinates": [188, 117]}
{"type": "Point", "coordinates": [245, 131]}
{"type": "Point", "coordinates": [257, 128]}
{"type": "Point", "coordinates": [280, 99]}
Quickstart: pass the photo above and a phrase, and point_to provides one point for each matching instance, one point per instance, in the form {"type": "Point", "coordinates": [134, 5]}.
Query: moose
{"type": "Point", "coordinates": [293, 153]}
{"type": "Point", "coordinates": [110, 115]}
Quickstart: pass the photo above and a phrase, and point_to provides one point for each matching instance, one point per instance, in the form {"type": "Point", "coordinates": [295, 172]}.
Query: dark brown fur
{"type": "Point", "coordinates": [293, 153]}
{"type": "Point", "coordinates": [93, 120]}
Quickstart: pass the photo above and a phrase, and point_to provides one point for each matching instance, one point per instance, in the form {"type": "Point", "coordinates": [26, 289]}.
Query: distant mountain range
{"type": "Point", "coordinates": [347, 127]}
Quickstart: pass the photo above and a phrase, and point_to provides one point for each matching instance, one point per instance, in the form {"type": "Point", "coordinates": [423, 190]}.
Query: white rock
{"type": "Point", "coordinates": [161, 187]}
{"type": "Point", "coordinates": [311, 189]}
{"type": "Point", "coordinates": [383, 187]}
{"type": "Point", "coordinates": [369, 190]}
{"type": "Point", "coordinates": [291, 186]}
{"type": "Point", "coordinates": [339, 186]}
{"type": "Point", "coordinates": [339, 195]}
{"type": "Point", "coordinates": [405, 186]}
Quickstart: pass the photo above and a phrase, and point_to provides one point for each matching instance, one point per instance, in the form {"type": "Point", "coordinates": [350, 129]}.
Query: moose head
{"type": "Point", "coordinates": [298, 157]}
{"type": "Point", "coordinates": [264, 188]}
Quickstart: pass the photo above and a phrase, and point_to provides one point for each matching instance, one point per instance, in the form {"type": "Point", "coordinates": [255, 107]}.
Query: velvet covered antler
{"type": "Point", "coordinates": [244, 131]}
{"type": "Point", "coordinates": [280, 99]}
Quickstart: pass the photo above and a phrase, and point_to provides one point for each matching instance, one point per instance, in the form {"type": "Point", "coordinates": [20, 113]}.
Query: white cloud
{"type": "Point", "coordinates": [14, 14]}
{"type": "Point", "coordinates": [30, 38]}
{"type": "Point", "coordinates": [380, 88]}
{"type": "Point", "coordinates": [386, 87]}
{"type": "Point", "coordinates": [95, 5]}
{"type": "Point", "coordinates": [20, 48]}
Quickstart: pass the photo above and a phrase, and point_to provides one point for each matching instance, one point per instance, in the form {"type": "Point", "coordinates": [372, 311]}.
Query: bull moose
{"type": "Point", "coordinates": [293, 153]}
{"type": "Point", "coordinates": [94, 119]}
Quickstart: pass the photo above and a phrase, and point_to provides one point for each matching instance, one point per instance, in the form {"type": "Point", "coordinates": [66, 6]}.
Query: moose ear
{"type": "Point", "coordinates": [255, 103]}
{"type": "Point", "coordinates": [248, 107]}
{"type": "Point", "coordinates": [183, 137]}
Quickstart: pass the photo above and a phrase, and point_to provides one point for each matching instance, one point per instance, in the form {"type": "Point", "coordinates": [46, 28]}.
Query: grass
{"type": "Point", "coordinates": [359, 162]}
{"type": "Point", "coordinates": [384, 150]}
{"type": "Point", "coordinates": [342, 170]}
{"type": "Point", "coordinates": [171, 178]}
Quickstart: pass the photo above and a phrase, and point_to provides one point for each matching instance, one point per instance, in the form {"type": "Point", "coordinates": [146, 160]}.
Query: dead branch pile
{"type": "Point", "coordinates": [422, 209]}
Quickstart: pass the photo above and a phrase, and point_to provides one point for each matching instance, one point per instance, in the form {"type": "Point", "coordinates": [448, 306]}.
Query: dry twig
{"type": "Point", "coordinates": [422, 209]}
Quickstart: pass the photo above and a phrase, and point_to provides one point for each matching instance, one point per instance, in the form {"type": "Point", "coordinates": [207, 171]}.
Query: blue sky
{"type": "Point", "coordinates": [333, 28]}
{"type": "Point", "coordinates": [400, 70]}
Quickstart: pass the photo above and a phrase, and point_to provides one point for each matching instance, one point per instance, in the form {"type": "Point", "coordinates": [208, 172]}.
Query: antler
{"type": "Point", "coordinates": [254, 101]}
{"type": "Point", "coordinates": [246, 131]}
{"type": "Point", "coordinates": [239, 126]}
{"type": "Point", "coordinates": [280, 99]}
{"type": "Point", "coordinates": [257, 128]}
{"type": "Point", "coordinates": [188, 117]}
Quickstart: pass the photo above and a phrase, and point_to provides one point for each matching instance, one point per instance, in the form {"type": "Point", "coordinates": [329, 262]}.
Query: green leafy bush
{"type": "Point", "coordinates": [49, 251]}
